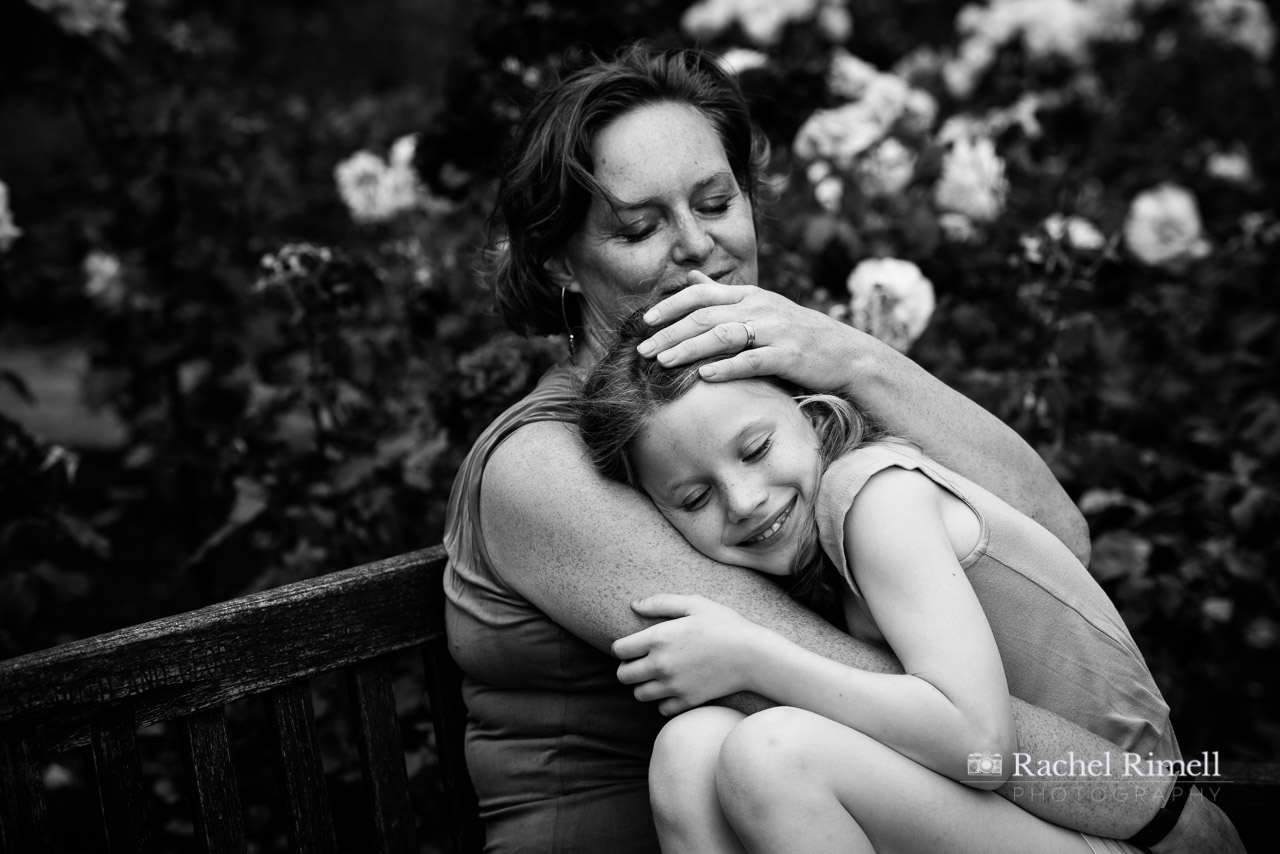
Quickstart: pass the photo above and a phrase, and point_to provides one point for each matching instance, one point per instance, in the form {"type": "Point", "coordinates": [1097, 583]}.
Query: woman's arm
{"type": "Point", "coordinates": [817, 352]}
{"type": "Point", "coordinates": [583, 549]}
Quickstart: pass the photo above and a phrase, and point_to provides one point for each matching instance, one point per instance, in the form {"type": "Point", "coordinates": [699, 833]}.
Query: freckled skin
{"type": "Point", "coordinates": [680, 213]}
{"type": "Point", "coordinates": [743, 453]}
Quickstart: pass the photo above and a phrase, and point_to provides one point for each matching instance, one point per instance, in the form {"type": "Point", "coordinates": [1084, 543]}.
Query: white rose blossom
{"type": "Point", "coordinates": [887, 169]}
{"type": "Point", "coordinates": [835, 21]}
{"type": "Point", "coordinates": [957, 228]}
{"type": "Point", "coordinates": [1073, 231]}
{"type": "Point", "coordinates": [376, 190]}
{"type": "Point", "coordinates": [1163, 228]}
{"type": "Point", "coordinates": [104, 279]}
{"type": "Point", "coordinates": [848, 76]}
{"type": "Point", "coordinates": [359, 180]}
{"type": "Point", "coordinates": [1232, 166]}
{"type": "Point", "coordinates": [842, 134]}
{"type": "Point", "coordinates": [972, 182]}
{"type": "Point", "coordinates": [9, 230]}
{"type": "Point", "coordinates": [1064, 29]}
{"type": "Point", "coordinates": [740, 59]}
{"type": "Point", "coordinates": [762, 21]}
{"type": "Point", "coordinates": [86, 17]}
{"type": "Point", "coordinates": [919, 112]}
{"type": "Point", "coordinates": [829, 193]}
{"type": "Point", "coordinates": [1077, 231]}
{"type": "Point", "coordinates": [1244, 23]}
{"type": "Point", "coordinates": [891, 300]}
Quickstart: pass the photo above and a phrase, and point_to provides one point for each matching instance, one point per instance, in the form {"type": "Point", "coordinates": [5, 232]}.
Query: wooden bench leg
{"type": "Point", "coordinates": [24, 825]}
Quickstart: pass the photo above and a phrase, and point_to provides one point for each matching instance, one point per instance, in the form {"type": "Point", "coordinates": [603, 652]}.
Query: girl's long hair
{"type": "Point", "coordinates": [625, 389]}
{"type": "Point", "coordinates": [842, 426]}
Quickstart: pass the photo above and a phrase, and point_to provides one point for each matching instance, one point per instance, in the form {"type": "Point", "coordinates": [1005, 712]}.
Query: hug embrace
{"type": "Point", "coordinates": [640, 549]}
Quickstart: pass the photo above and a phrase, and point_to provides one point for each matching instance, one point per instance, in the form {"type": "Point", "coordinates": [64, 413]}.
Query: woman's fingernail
{"type": "Point", "coordinates": [646, 349]}
{"type": "Point", "coordinates": [707, 371]}
{"type": "Point", "coordinates": [665, 357]}
{"type": "Point", "coordinates": [651, 316]}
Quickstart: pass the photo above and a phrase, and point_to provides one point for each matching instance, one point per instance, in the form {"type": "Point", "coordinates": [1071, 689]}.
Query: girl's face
{"type": "Point", "coordinates": [735, 467]}
{"type": "Point", "coordinates": [681, 210]}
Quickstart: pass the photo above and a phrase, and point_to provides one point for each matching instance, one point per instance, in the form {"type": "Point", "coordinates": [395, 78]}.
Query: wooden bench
{"type": "Point", "coordinates": [100, 691]}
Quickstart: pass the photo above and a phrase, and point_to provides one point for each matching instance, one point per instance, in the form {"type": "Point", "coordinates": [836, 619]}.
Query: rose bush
{"type": "Point", "coordinates": [269, 264]}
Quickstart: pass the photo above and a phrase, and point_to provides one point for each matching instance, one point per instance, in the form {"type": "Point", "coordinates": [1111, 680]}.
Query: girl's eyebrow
{"type": "Point", "coordinates": [751, 426]}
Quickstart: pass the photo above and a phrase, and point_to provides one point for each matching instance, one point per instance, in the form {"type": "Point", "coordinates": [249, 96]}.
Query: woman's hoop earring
{"type": "Point", "coordinates": [564, 315]}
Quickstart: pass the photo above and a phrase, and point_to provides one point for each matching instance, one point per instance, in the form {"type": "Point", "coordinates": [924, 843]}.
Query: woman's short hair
{"type": "Point", "coordinates": [547, 184]}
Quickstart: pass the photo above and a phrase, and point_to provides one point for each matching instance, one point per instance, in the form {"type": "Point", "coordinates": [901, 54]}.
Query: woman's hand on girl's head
{"type": "Point", "coordinates": [701, 652]}
{"type": "Point", "coordinates": [795, 343]}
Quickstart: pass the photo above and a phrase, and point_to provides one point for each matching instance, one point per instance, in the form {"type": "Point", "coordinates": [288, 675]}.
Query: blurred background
{"type": "Point", "coordinates": [241, 342]}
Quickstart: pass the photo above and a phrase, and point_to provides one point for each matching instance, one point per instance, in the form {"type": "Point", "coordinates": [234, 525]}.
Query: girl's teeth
{"type": "Point", "coordinates": [773, 529]}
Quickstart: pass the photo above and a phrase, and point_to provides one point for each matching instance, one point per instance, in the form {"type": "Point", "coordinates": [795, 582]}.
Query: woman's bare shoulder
{"type": "Point", "coordinates": [536, 454]}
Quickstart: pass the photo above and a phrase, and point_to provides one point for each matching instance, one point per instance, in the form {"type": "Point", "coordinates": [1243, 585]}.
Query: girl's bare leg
{"type": "Point", "coordinates": [790, 780]}
{"type": "Point", "coordinates": [682, 783]}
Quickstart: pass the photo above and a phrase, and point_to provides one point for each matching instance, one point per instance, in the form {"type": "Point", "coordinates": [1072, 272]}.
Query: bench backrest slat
{"type": "Point", "coordinates": [306, 797]}
{"type": "Point", "coordinates": [118, 771]}
{"type": "Point", "coordinates": [219, 824]}
{"type": "Point", "coordinates": [204, 659]}
{"type": "Point", "coordinates": [100, 691]}
{"type": "Point", "coordinates": [386, 782]}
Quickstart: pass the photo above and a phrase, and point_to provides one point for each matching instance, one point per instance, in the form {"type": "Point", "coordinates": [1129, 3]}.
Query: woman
{"type": "Point", "coordinates": [628, 177]}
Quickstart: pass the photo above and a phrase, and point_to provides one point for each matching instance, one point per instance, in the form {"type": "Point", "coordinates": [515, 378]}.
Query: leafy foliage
{"type": "Point", "coordinates": [298, 387]}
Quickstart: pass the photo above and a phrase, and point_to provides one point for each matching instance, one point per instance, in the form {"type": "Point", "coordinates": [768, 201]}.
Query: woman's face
{"type": "Point", "coordinates": [735, 468]}
{"type": "Point", "coordinates": [681, 210]}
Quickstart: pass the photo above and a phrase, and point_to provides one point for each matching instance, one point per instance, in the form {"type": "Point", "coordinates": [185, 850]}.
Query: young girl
{"type": "Point", "coordinates": [976, 600]}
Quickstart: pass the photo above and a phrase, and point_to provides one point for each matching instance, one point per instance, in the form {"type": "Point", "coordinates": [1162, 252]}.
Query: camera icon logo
{"type": "Point", "coordinates": [986, 764]}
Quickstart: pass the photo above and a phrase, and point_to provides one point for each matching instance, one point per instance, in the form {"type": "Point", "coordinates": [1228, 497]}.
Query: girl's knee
{"type": "Point", "coordinates": [769, 741]}
{"type": "Point", "coordinates": [771, 751]}
{"type": "Point", "coordinates": [685, 754]}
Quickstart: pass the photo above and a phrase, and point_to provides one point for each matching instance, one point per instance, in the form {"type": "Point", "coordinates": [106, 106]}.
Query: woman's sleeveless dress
{"type": "Point", "coordinates": [558, 749]}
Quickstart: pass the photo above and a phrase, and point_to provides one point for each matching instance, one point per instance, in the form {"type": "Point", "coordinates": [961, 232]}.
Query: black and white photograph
{"type": "Point", "coordinates": [639, 427]}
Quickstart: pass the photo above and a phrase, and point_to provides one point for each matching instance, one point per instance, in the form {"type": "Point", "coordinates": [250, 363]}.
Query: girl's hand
{"type": "Point", "coordinates": [704, 651]}
{"type": "Point", "coordinates": [798, 344]}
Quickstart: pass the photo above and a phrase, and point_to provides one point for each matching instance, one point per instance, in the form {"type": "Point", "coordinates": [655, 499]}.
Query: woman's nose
{"type": "Point", "coordinates": [693, 243]}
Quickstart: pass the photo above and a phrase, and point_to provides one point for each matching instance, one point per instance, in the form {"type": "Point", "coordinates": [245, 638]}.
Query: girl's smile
{"type": "Point", "coordinates": [735, 468]}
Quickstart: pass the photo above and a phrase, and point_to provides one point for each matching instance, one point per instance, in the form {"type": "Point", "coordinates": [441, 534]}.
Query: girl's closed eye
{"type": "Point", "coordinates": [696, 500]}
{"type": "Point", "coordinates": [758, 452]}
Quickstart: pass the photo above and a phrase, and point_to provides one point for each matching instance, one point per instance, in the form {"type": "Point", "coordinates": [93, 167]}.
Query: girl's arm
{"type": "Point", "coordinates": [952, 701]}
{"type": "Point", "coordinates": [822, 354]}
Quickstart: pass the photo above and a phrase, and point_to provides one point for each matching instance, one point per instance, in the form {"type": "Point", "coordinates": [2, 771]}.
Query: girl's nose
{"type": "Point", "coordinates": [743, 499]}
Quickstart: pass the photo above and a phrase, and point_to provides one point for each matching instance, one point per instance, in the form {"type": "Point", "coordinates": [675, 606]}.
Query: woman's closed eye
{"type": "Point", "coordinates": [716, 206]}
{"type": "Point", "coordinates": [636, 230]}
